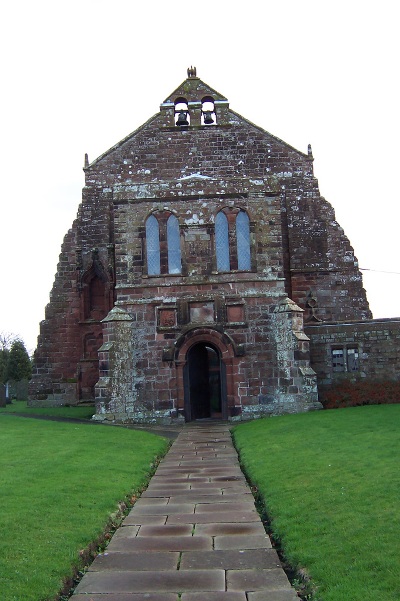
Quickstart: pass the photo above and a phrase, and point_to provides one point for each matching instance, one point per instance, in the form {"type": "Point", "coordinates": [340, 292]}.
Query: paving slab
{"type": "Point", "coordinates": [128, 532]}
{"type": "Point", "coordinates": [253, 580]}
{"type": "Point", "coordinates": [152, 582]}
{"type": "Point", "coordinates": [158, 543]}
{"type": "Point", "coordinates": [157, 501]}
{"type": "Point", "coordinates": [228, 484]}
{"type": "Point", "coordinates": [238, 506]}
{"type": "Point", "coordinates": [231, 528]}
{"type": "Point", "coordinates": [167, 530]}
{"type": "Point", "coordinates": [128, 597]}
{"type": "Point", "coordinates": [185, 477]}
{"type": "Point", "coordinates": [168, 487]}
{"type": "Point", "coordinates": [139, 519]}
{"type": "Point", "coordinates": [194, 534]}
{"type": "Point", "coordinates": [206, 518]}
{"type": "Point", "coordinates": [135, 561]}
{"type": "Point", "coordinates": [230, 559]}
{"type": "Point", "coordinates": [197, 496]}
{"type": "Point", "coordinates": [280, 595]}
{"type": "Point", "coordinates": [220, 596]}
{"type": "Point", "coordinates": [242, 542]}
{"type": "Point", "coordinates": [160, 510]}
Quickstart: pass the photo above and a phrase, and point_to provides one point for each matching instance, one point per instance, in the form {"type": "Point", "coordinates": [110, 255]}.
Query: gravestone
{"type": "Point", "coordinates": [2, 395]}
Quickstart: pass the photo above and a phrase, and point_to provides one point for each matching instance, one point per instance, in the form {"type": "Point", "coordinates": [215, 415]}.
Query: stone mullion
{"type": "Point", "coordinates": [233, 259]}
{"type": "Point", "coordinates": [162, 220]}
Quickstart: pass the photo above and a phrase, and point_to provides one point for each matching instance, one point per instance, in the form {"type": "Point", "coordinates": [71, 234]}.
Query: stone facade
{"type": "Point", "coordinates": [201, 248]}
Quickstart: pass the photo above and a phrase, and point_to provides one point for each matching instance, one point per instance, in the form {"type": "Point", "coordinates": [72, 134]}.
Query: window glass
{"type": "Point", "coordinates": [174, 246]}
{"type": "Point", "coordinates": [222, 242]}
{"type": "Point", "coordinates": [338, 360]}
{"type": "Point", "coordinates": [352, 359]}
{"type": "Point", "coordinates": [153, 246]}
{"type": "Point", "coordinates": [243, 240]}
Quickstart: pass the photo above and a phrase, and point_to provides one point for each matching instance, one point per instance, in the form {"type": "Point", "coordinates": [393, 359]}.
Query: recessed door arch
{"type": "Point", "coordinates": [205, 382]}
{"type": "Point", "coordinates": [225, 349]}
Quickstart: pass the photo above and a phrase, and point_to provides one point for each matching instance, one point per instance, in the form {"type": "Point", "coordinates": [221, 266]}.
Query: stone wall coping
{"type": "Point", "coordinates": [344, 324]}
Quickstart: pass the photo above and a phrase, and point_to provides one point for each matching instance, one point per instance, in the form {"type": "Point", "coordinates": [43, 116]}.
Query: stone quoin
{"type": "Point", "coordinates": [188, 287]}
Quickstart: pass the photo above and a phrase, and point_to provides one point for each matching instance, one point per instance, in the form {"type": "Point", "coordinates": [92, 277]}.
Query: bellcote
{"type": "Point", "coordinates": [194, 104]}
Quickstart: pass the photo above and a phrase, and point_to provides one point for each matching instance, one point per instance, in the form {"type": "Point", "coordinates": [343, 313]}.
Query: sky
{"type": "Point", "coordinates": [79, 76]}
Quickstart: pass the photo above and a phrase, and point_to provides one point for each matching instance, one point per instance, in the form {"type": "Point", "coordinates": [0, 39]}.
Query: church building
{"type": "Point", "coordinates": [204, 276]}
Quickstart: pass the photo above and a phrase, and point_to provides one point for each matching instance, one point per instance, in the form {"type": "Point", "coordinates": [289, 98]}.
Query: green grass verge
{"type": "Point", "coordinates": [59, 483]}
{"type": "Point", "coordinates": [330, 484]}
{"type": "Point", "coordinates": [85, 412]}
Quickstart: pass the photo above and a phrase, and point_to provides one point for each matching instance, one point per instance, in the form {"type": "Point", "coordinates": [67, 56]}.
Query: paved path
{"type": "Point", "coordinates": [194, 535]}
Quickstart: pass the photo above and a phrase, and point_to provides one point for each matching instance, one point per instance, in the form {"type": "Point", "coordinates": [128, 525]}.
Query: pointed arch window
{"type": "Point", "coordinates": [222, 242]}
{"type": "Point", "coordinates": [243, 241]}
{"type": "Point", "coordinates": [153, 246]}
{"type": "Point", "coordinates": [232, 240]}
{"type": "Point", "coordinates": [174, 245]}
{"type": "Point", "coordinates": [163, 247]}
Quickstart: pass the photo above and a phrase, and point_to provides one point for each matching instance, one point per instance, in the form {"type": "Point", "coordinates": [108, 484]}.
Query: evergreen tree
{"type": "Point", "coordinates": [4, 353]}
{"type": "Point", "coordinates": [19, 364]}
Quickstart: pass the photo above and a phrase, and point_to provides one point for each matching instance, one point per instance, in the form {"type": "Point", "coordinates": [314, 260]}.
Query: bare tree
{"type": "Point", "coordinates": [6, 340]}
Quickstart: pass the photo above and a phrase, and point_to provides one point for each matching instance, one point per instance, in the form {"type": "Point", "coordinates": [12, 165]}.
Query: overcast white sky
{"type": "Point", "coordinates": [79, 76]}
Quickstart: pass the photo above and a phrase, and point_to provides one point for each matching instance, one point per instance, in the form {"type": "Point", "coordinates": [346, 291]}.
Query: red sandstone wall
{"type": "Point", "coordinates": [297, 247]}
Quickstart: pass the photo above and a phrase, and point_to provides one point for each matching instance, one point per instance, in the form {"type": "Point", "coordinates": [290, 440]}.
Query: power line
{"type": "Point", "coordinates": [379, 270]}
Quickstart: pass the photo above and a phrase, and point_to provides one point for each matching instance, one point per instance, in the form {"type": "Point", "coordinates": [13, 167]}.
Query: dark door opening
{"type": "Point", "coordinates": [204, 385]}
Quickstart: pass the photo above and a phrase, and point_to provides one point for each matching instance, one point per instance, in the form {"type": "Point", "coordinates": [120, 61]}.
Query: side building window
{"type": "Point", "coordinates": [345, 359]}
{"type": "Point", "coordinates": [163, 250]}
{"type": "Point", "coordinates": [232, 240]}
{"type": "Point", "coordinates": [352, 359]}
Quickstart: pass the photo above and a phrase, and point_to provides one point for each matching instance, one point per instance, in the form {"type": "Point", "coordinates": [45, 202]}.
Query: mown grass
{"type": "Point", "coordinates": [59, 483]}
{"type": "Point", "coordinates": [330, 483]}
{"type": "Point", "coordinates": [84, 412]}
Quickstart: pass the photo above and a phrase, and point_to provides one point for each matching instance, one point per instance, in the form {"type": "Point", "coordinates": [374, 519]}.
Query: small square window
{"type": "Point", "coordinates": [352, 359]}
{"type": "Point", "coordinates": [338, 359]}
{"type": "Point", "coordinates": [345, 360]}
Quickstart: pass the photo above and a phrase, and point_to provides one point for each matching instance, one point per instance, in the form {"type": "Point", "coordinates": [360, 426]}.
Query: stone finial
{"type": "Point", "coordinates": [310, 151]}
{"type": "Point", "coordinates": [117, 314]}
{"type": "Point", "coordinates": [191, 72]}
{"type": "Point", "coordinates": [86, 164]}
{"type": "Point", "coordinates": [287, 305]}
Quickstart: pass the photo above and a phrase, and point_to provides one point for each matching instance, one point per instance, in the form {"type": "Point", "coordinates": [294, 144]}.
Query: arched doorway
{"type": "Point", "coordinates": [204, 383]}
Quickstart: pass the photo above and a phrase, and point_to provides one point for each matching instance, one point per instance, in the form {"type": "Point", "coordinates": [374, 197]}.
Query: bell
{"type": "Point", "coordinates": [208, 119]}
{"type": "Point", "coordinates": [182, 118]}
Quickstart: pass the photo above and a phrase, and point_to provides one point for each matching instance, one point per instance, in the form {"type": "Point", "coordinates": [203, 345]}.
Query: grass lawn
{"type": "Point", "coordinates": [330, 483]}
{"type": "Point", "coordinates": [84, 412]}
{"type": "Point", "coordinates": [59, 483]}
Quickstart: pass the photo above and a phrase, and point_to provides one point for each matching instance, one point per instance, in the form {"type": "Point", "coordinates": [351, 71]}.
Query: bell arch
{"type": "Point", "coordinates": [203, 346]}
{"type": "Point", "coordinates": [208, 116]}
{"type": "Point", "coordinates": [182, 114]}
